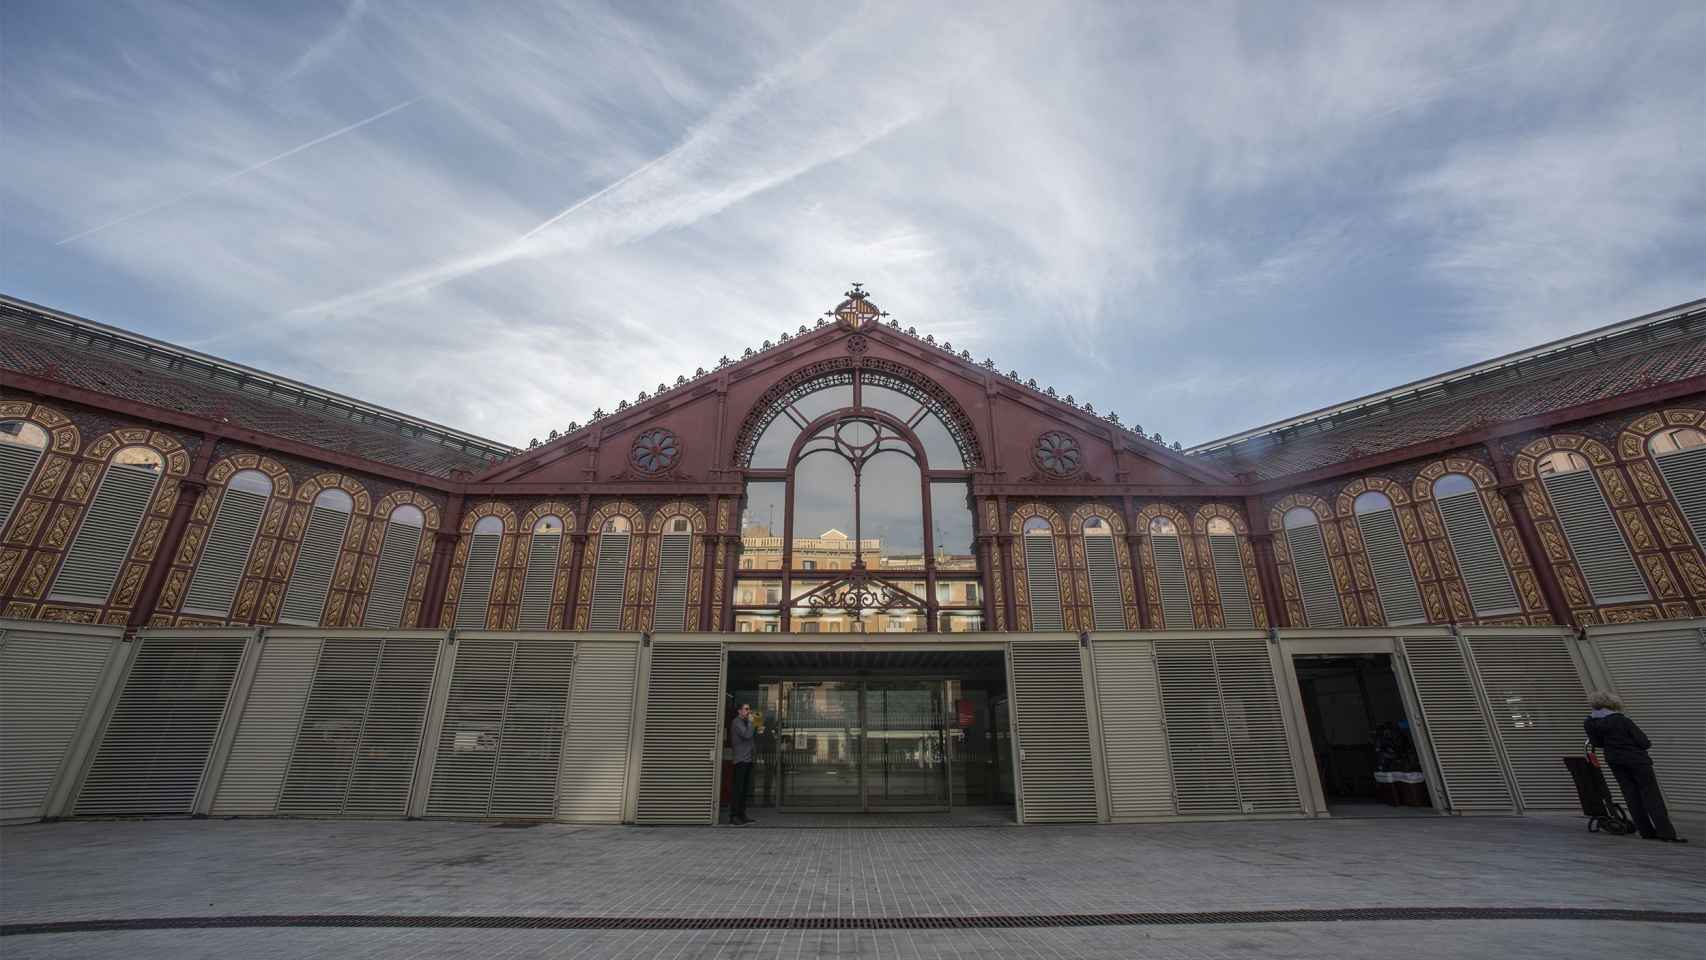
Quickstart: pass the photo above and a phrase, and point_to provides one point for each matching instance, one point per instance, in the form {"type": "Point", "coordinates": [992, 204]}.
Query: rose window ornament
{"type": "Point", "coordinates": [1057, 454]}
{"type": "Point", "coordinates": [655, 451]}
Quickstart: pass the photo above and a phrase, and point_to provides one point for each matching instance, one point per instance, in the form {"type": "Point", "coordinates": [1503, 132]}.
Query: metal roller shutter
{"type": "Point", "coordinates": [1457, 727]}
{"type": "Point", "coordinates": [391, 576]}
{"type": "Point", "coordinates": [1042, 578]}
{"type": "Point", "coordinates": [1661, 677]}
{"type": "Point", "coordinates": [104, 538]}
{"type": "Point", "coordinates": [1394, 577]}
{"type": "Point", "coordinates": [467, 762]}
{"type": "Point", "coordinates": [1538, 703]}
{"type": "Point", "coordinates": [670, 610]}
{"type": "Point", "coordinates": [155, 747]}
{"type": "Point", "coordinates": [594, 779]}
{"type": "Point", "coordinates": [47, 679]}
{"type": "Point", "coordinates": [543, 553]}
{"type": "Point", "coordinates": [1175, 590]}
{"type": "Point", "coordinates": [17, 464]}
{"type": "Point", "coordinates": [1107, 603]}
{"type": "Point", "coordinates": [1479, 559]}
{"type": "Point", "coordinates": [1594, 538]}
{"type": "Point", "coordinates": [1229, 577]}
{"type": "Point", "coordinates": [1255, 727]}
{"type": "Point", "coordinates": [1204, 781]}
{"type": "Point", "coordinates": [391, 732]}
{"type": "Point", "coordinates": [610, 582]}
{"type": "Point", "coordinates": [475, 600]}
{"type": "Point", "coordinates": [1684, 472]}
{"type": "Point", "coordinates": [316, 562]}
{"type": "Point", "coordinates": [1134, 736]}
{"type": "Point", "coordinates": [254, 772]}
{"type": "Point", "coordinates": [1057, 775]}
{"type": "Point", "coordinates": [1315, 577]}
{"type": "Point", "coordinates": [225, 555]}
{"type": "Point", "coordinates": [683, 738]}
{"type": "Point", "coordinates": [530, 751]}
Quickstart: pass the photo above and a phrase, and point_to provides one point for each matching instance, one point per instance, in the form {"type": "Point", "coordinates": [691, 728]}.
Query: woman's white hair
{"type": "Point", "coordinates": [1604, 700]}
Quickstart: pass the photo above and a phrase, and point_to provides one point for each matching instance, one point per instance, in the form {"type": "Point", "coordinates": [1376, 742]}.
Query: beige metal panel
{"type": "Point", "coordinates": [392, 731]}
{"type": "Point", "coordinates": [1538, 700]}
{"type": "Point", "coordinates": [1051, 721]}
{"type": "Point", "coordinates": [1659, 671]}
{"type": "Point", "coordinates": [266, 729]}
{"type": "Point", "coordinates": [1457, 726]}
{"type": "Point", "coordinates": [468, 740]}
{"type": "Point", "coordinates": [1204, 779]}
{"type": "Point", "coordinates": [593, 779]}
{"type": "Point", "coordinates": [1134, 733]}
{"type": "Point", "coordinates": [683, 732]}
{"type": "Point", "coordinates": [530, 755]}
{"type": "Point", "coordinates": [49, 674]}
{"type": "Point", "coordinates": [1255, 728]}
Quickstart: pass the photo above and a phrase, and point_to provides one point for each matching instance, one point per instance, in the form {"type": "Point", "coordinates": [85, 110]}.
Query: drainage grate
{"type": "Point", "coordinates": [976, 922]}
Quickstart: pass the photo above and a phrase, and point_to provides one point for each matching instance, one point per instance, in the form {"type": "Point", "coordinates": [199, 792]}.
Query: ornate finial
{"type": "Point", "coordinates": [533, 443]}
{"type": "Point", "coordinates": [699, 372]}
{"type": "Point", "coordinates": [1156, 436]}
{"type": "Point", "coordinates": [783, 338]}
{"type": "Point", "coordinates": [748, 352]}
{"type": "Point", "coordinates": [724, 360]}
{"type": "Point", "coordinates": [1113, 417]}
{"type": "Point", "coordinates": [1049, 391]}
{"type": "Point", "coordinates": [821, 321]}
{"type": "Point", "coordinates": [1088, 408]}
{"type": "Point", "coordinates": [552, 435]}
{"type": "Point", "coordinates": [1137, 428]}
{"type": "Point", "coordinates": [988, 364]}
{"type": "Point", "coordinates": [682, 380]}
{"type": "Point", "coordinates": [802, 328]}
{"type": "Point", "coordinates": [1176, 446]}
{"type": "Point", "coordinates": [662, 388]}
{"type": "Point", "coordinates": [765, 345]}
{"type": "Point", "coordinates": [1071, 402]}
{"type": "Point", "coordinates": [965, 354]}
{"type": "Point", "coordinates": [573, 426]}
{"type": "Point", "coordinates": [857, 293]}
{"type": "Point", "coordinates": [621, 404]}
{"type": "Point", "coordinates": [598, 414]}
{"type": "Point", "coordinates": [948, 345]}
{"type": "Point", "coordinates": [643, 396]}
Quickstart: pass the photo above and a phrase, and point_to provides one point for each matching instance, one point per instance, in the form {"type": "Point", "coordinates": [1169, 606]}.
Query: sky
{"type": "Point", "coordinates": [1203, 216]}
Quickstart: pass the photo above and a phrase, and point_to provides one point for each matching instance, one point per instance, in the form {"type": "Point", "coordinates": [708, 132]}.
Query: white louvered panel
{"type": "Point", "coordinates": [468, 742]}
{"type": "Point", "coordinates": [317, 779]}
{"type": "Point", "coordinates": [391, 576]}
{"type": "Point", "coordinates": [104, 538]}
{"type": "Point", "coordinates": [1595, 538]}
{"type": "Point", "coordinates": [17, 464]}
{"type": "Point", "coordinates": [266, 732]}
{"type": "Point", "coordinates": [1315, 577]}
{"type": "Point", "coordinates": [594, 778]}
{"type": "Point", "coordinates": [1479, 559]}
{"type": "Point", "coordinates": [225, 555]}
{"type": "Point", "coordinates": [1394, 577]}
{"type": "Point", "coordinates": [155, 747]}
{"type": "Point", "coordinates": [1175, 590]}
{"type": "Point", "coordinates": [674, 554]}
{"type": "Point", "coordinates": [476, 597]}
{"type": "Point", "coordinates": [1457, 727]}
{"type": "Point", "coordinates": [530, 759]}
{"type": "Point", "coordinates": [1684, 472]}
{"type": "Point", "coordinates": [1255, 727]}
{"type": "Point", "coordinates": [1537, 698]}
{"type": "Point", "coordinates": [1042, 577]}
{"type": "Point", "coordinates": [1134, 736]}
{"type": "Point", "coordinates": [46, 681]}
{"type": "Point", "coordinates": [1204, 781]}
{"type": "Point", "coordinates": [1107, 603]}
{"type": "Point", "coordinates": [1661, 677]}
{"type": "Point", "coordinates": [316, 562]}
{"type": "Point", "coordinates": [543, 553]}
{"type": "Point", "coordinates": [391, 734]}
{"type": "Point", "coordinates": [610, 582]}
{"type": "Point", "coordinates": [678, 768]}
{"type": "Point", "coordinates": [1057, 775]}
{"type": "Point", "coordinates": [1229, 577]}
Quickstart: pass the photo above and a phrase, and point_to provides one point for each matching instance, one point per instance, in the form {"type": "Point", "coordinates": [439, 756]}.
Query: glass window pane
{"type": "Point", "coordinates": [952, 519]}
{"type": "Point", "coordinates": [761, 525]}
{"type": "Point", "coordinates": [778, 438]}
{"type": "Point", "coordinates": [939, 446]}
{"type": "Point", "coordinates": [334, 499]}
{"type": "Point", "coordinates": [1372, 502]}
{"type": "Point", "coordinates": [489, 525]}
{"type": "Point", "coordinates": [892, 511]}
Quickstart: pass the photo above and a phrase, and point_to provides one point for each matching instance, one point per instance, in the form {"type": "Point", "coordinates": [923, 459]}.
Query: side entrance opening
{"type": "Point", "coordinates": [1361, 736]}
{"type": "Point", "coordinates": [853, 732]}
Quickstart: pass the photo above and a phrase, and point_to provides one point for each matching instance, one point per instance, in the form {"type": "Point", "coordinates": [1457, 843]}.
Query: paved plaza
{"type": "Point", "coordinates": [292, 872]}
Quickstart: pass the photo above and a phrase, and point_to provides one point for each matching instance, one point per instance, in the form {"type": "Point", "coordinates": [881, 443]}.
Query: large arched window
{"type": "Point", "coordinates": [1680, 453]}
{"type": "Point", "coordinates": [858, 512]}
{"type": "Point", "coordinates": [1590, 528]}
{"type": "Point", "coordinates": [1042, 575]}
{"type": "Point", "coordinates": [1394, 577]}
{"type": "Point", "coordinates": [1480, 560]}
{"type": "Point", "coordinates": [610, 579]}
{"type": "Point", "coordinates": [544, 551]}
{"type": "Point", "coordinates": [230, 537]}
{"type": "Point", "coordinates": [109, 526]}
{"type": "Point", "coordinates": [1102, 566]}
{"type": "Point", "coordinates": [317, 559]}
{"type": "Point", "coordinates": [1167, 548]}
{"type": "Point", "coordinates": [1314, 574]}
{"type": "Point", "coordinates": [475, 601]}
{"type": "Point", "coordinates": [1229, 578]}
{"type": "Point", "coordinates": [21, 447]}
{"type": "Point", "coordinates": [675, 556]}
{"type": "Point", "coordinates": [395, 568]}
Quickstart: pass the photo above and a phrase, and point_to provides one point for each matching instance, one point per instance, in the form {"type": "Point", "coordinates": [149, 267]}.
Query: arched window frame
{"type": "Point", "coordinates": [1205, 515]}
{"type": "Point", "coordinates": [633, 572]}
{"type": "Point", "coordinates": [1058, 529]}
{"type": "Point", "coordinates": [1678, 534]}
{"type": "Point", "coordinates": [1356, 552]}
{"type": "Point", "coordinates": [261, 575]}
{"type": "Point", "coordinates": [502, 607]}
{"type": "Point", "coordinates": [658, 527]}
{"type": "Point", "coordinates": [1349, 608]}
{"type": "Point", "coordinates": [1151, 572]}
{"type": "Point", "coordinates": [290, 547]}
{"type": "Point", "coordinates": [557, 604]}
{"type": "Point", "coordinates": [1081, 574]}
{"type": "Point", "coordinates": [39, 497]}
{"type": "Point", "coordinates": [1516, 560]}
{"type": "Point", "coordinates": [361, 593]}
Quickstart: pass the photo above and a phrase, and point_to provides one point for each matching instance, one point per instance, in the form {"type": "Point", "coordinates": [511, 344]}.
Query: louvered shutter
{"type": "Point", "coordinates": [1134, 735]}
{"type": "Point", "coordinates": [467, 761]}
{"type": "Point", "coordinates": [1537, 696]}
{"type": "Point", "coordinates": [543, 553]}
{"type": "Point", "coordinates": [155, 746]}
{"type": "Point", "coordinates": [1594, 538]}
{"type": "Point", "coordinates": [1175, 589]}
{"type": "Point", "coordinates": [254, 772]}
{"type": "Point", "coordinates": [1204, 781]}
{"type": "Point", "coordinates": [1042, 579]}
{"type": "Point", "coordinates": [610, 582]}
{"type": "Point", "coordinates": [47, 678]}
{"type": "Point", "coordinates": [1661, 676]}
{"type": "Point", "coordinates": [476, 597]}
{"type": "Point", "coordinates": [1107, 603]}
{"type": "Point", "coordinates": [1457, 727]}
{"type": "Point", "coordinates": [683, 738]}
{"type": "Point", "coordinates": [1229, 577]}
{"type": "Point", "coordinates": [530, 755]}
{"type": "Point", "coordinates": [391, 732]}
{"type": "Point", "coordinates": [316, 562]}
{"type": "Point", "coordinates": [1394, 577]}
{"type": "Point", "coordinates": [1315, 577]}
{"type": "Point", "coordinates": [104, 538]}
{"type": "Point", "coordinates": [670, 611]}
{"type": "Point", "coordinates": [1479, 558]}
{"type": "Point", "coordinates": [594, 779]}
{"type": "Point", "coordinates": [1684, 472]}
{"type": "Point", "coordinates": [391, 576]}
{"type": "Point", "coordinates": [1057, 776]}
{"type": "Point", "coordinates": [17, 464]}
{"type": "Point", "coordinates": [1255, 727]}
{"type": "Point", "coordinates": [225, 555]}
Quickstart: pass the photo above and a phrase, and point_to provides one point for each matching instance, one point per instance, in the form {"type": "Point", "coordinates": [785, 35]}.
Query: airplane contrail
{"type": "Point", "coordinates": [240, 173]}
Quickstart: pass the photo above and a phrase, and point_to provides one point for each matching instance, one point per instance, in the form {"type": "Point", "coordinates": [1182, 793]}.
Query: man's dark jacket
{"type": "Point", "coordinates": [1620, 738]}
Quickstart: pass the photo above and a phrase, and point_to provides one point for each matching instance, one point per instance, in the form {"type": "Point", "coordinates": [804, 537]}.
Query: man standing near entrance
{"type": "Point", "coordinates": [740, 737]}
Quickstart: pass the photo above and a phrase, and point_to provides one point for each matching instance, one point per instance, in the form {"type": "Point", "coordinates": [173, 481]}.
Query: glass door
{"type": "Point", "coordinates": [852, 745]}
{"type": "Point", "coordinates": [905, 762]}
{"type": "Point", "coordinates": [819, 745]}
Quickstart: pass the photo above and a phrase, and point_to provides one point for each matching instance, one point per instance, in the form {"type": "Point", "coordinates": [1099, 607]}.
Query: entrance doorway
{"type": "Point", "coordinates": [1361, 736]}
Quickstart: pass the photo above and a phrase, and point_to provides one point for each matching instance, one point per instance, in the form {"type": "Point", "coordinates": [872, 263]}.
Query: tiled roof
{"type": "Point", "coordinates": [79, 353]}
